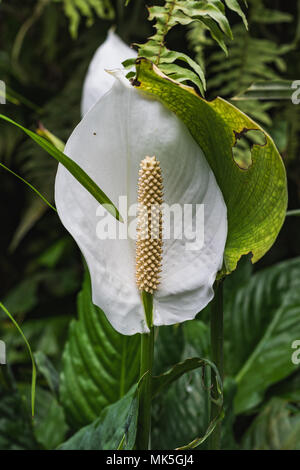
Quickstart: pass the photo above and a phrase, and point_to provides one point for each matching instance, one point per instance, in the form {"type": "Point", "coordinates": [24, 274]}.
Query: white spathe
{"type": "Point", "coordinates": [108, 56]}
{"type": "Point", "coordinates": [109, 143]}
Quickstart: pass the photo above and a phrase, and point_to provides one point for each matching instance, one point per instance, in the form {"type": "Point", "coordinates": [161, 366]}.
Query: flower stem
{"type": "Point", "coordinates": [145, 396]}
{"type": "Point", "coordinates": [216, 338]}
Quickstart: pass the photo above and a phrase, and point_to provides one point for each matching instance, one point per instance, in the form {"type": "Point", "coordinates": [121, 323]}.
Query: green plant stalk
{"type": "Point", "coordinates": [216, 338]}
{"type": "Point", "coordinates": [146, 367]}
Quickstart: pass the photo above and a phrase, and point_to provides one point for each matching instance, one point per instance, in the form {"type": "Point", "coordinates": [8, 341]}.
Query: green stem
{"type": "Point", "coordinates": [216, 337]}
{"type": "Point", "coordinates": [144, 422]}
{"type": "Point", "coordinates": [145, 395]}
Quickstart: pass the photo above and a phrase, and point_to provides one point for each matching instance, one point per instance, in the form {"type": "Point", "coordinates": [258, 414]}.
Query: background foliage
{"type": "Point", "coordinates": [46, 48]}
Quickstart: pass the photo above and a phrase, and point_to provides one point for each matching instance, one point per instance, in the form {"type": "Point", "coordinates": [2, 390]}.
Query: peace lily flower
{"type": "Point", "coordinates": [123, 136]}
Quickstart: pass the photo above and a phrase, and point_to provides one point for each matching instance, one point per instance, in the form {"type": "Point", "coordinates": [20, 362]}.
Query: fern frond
{"type": "Point", "coordinates": [235, 6]}
{"type": "Point", "coordinates": [75, 9]}
{"type": "Point", "coordinates": [261, 14]}
{"type": "Point", "coordinates": [198, 41]}
{"type": "Point", "coordinates": [210, 14]}
{"type": "Point", "coordinates": [250, 59]}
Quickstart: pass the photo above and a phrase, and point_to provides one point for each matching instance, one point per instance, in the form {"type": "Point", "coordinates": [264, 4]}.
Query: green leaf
{"type": "Point", "coordinates": [74, 9]}
{"type": "Point", "coordinates": [55, 252]}
{"type": "Point", "coordinates": [163, 381]}
{"type": "Point", "coordinates": [33, 380]}
{"type": "Point", "coordinates": [234, 6]}
{"type": "Point", "coordinates": [47, 369]}
{"type": "Point", "coordinates": [267, 90]}
{"type": "Point", "coordinates": [46, 334]}
{"type": "Point", "coordinates": [29, 185]}
{"type": "Point", "coordinates": [23, 297]}
{"type": "Point", "coordinates": [295, 212]}
{"type": "Point", "coordinates": [261, 323]}
{"type": "Point", "coordinates": [187, 399]}
{"type": "Point", "coordinates": [228, 441]}
{"type": "Point", "coordinates": [181, 412]}
{"type": "Point", "coordinates": [115, 429]}
{"type": "Point", "coordinates": [71, 166]}
{"type": "Point", "coordinates": [271, 16]}
{"type": "Point", "coordinates": [256, 198]}
{"type": "Point", "coordinates": [99, 364]}
{"type": "Point", "coordinates": [51, 428]}
{"type": "Point", "coordinates": [49, 425]}
{"type": "Point", "coordinates": [197, 336]}
{"type": "Point", "coordinates": [277, 427]}
{"type": "Point", "coordinates": [160, 382]}
{"type": "Point", "coordinates": [16, 430]}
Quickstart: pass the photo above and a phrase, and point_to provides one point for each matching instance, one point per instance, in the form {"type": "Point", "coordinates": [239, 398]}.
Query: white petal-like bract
{"type": "Point", "coordinates": [108, 56]}
{"type": "Point", "coordinates": [109, 143]}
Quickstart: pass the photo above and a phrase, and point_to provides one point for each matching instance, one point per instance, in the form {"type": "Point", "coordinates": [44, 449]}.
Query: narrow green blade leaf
{"type": "Point", "coordinates": [29, 185]}
{"type": "Point", "coordinates": [33, 382]}
{"type": "Point", "coordinates": [160, 382]}
{"type": "Point", "coordinates": [47, 369]}
{"type": "Point", "coordinates": [267, 90]}
{"type": "Point", "coordinates": [73, 168]}
{"type": "Point", "coordinates": [293, 212]}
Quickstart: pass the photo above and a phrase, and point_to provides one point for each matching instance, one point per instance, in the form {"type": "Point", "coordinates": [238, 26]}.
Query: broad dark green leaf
{"type": "Point", "coordinates": [47, 369]}
{"type": "Point", "coordinates": [99, 364]}
{"type": "Point", "coordinates": [277, 427]}
{"type": "Point", "coordinates": [16, 430]}
{"type": "Point", "coordinates": [49, 425]}
{"type": "Point", "coordinates": [181, 412]}
{"type": "Point", "coordinates": [197, 336]}
{"type": "Point", "coordinates": [261, 323]}
{"type": "Point", "coordinates": [228, 439]}
{"type": "Point", "coordinates": [50, 429]}
{"type": "Point", "coordinates": [184, 399]}
{"type": "Point", "coordinates": [197, 441]}
{"type": "Point", "coordinates": [45, 334]}
{"type": "Point", "coordinates": [114, 429]}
